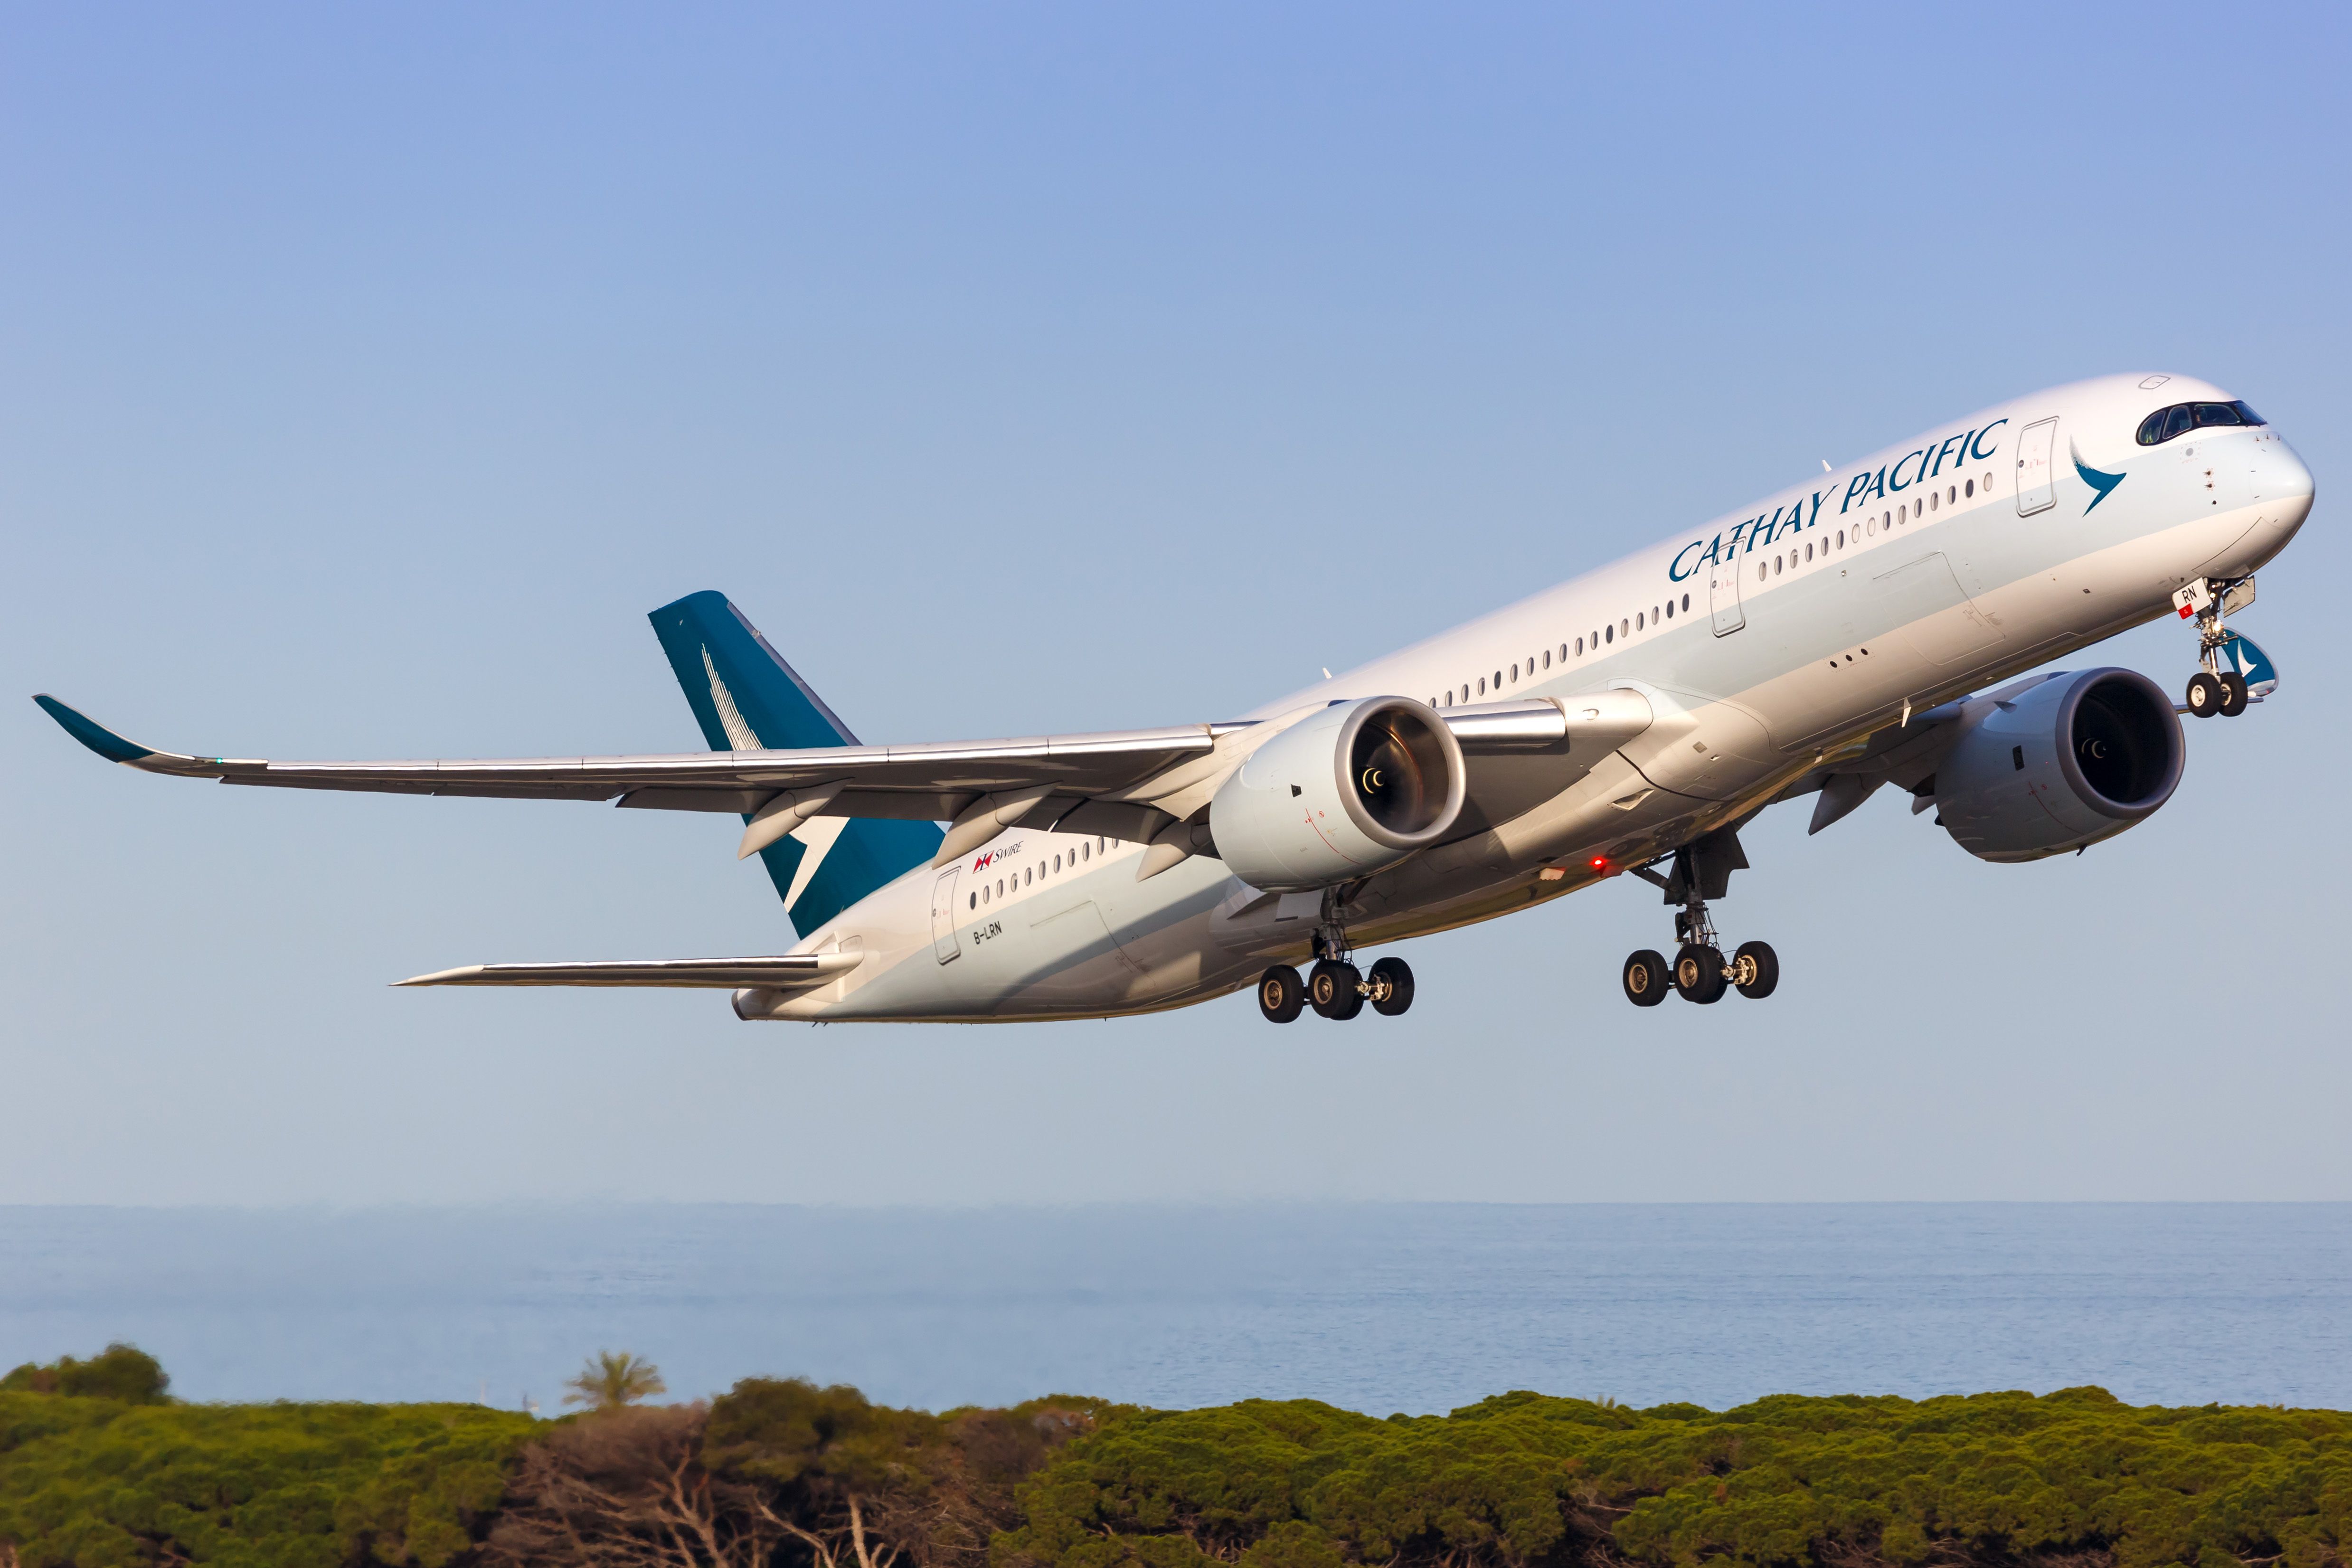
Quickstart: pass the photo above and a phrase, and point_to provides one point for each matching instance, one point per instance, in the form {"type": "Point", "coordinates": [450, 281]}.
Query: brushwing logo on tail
{"type": "Point", "coordinates": [816, 836]}
{"type": "Point", "coordinates": [739, 734]}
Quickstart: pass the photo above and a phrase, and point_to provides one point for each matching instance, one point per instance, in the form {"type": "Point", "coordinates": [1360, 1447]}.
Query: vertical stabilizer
{"type": "Point", "coordinates": [746, 698]}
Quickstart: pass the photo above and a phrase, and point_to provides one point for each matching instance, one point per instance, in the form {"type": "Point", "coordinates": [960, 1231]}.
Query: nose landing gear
{"type": "Point", "coordinates": [1702, 870]}
{"type": "Point", "coordinates": [2220, 687]}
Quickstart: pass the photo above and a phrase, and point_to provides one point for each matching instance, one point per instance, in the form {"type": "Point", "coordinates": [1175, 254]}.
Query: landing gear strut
{"type": "Point", "coordinates": [1702, 870]}
{"type": "Point", "coordinates": [2216, 688]}
{"type": "Point", "coordinates": [1335, 987]}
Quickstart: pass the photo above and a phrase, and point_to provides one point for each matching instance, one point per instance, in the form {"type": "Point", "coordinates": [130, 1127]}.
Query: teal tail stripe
{"type": "Point", "coordinates": [746, 697]}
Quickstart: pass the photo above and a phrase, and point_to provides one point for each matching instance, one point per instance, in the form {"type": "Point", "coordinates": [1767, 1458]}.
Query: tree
{"type": "Point", "coordinates": [610, 1382]}
{"type": "Point", "coordinates": [118, 1371]}
{"type": "Point", "coordinates": [627, 1490]}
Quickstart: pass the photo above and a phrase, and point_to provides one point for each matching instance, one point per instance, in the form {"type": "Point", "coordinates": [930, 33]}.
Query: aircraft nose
{"type": "Point", "coordinates": [2284, 485]}
{"type": "Point", "coordinates": [2287, 476]}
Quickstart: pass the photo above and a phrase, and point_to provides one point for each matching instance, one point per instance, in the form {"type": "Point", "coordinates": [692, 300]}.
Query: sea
{"type": "Point", "coordinates": [1372, 1307]}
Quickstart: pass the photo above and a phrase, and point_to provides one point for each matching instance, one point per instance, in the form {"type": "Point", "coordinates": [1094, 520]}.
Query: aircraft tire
{"type": "Point", "coordinates": [1391, 987]}
{"type": "Point", "coordinates": [1331, 989]}
{"type": "Point", "coordinates": [1645, 978]}
{"type": "Point", "coordinates": [1757, 968]}
{"type": "Point", "coordinates": [1698, 973]}
{"type": "Point", "coordinates": [2233, 694]}
{"type": "Point", "coordinates": [2204, 696]}
{"type": "Point", "coordinates": [1279, 995]}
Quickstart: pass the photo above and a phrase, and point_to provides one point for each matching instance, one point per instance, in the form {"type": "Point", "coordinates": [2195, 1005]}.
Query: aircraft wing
{"type": "Point", "coordinates": [1126, 784]}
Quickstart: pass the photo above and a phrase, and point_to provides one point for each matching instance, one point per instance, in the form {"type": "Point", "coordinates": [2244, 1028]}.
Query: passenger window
{"type": "Point", "coordinates": [1637, 620]}
{"type": "Point", "coordinates": [1988, 484]}
{"type": "Point", "coordinates": [983, 890]}
{"type": "Point", "coordinates": [1498, 680]}
{"type": "Point", "coordinates": [1759, 571]}
{"type": "Point", "coordinates": [1563, 653]}
{"type": "Point", "coordinates": [976, 900]}
{"type": "Point", "coordinates": [1579, 647]}
{"type": "Point", "coordinates": [1482, 686]}
{"type": "Point", "coordinates": [1654, 612]}
{"type": "Point", "coordinates": [1000, 887]}
{"type": "Point", "coordinates": [1971, 487]}
{"type": "Point", "coordinates": [1057, 862]}
{"type": "Point", "coordinates": [1608, 634]}
{"type": "Point", "coordinates": [1670, 609]}
{"type": "Point", "coordinates": [1086, 852]}
{"type": "Point", "coordinates": [1686, 603]}
{"type": "Point", "coordinates": [1547, 659]}
{"type": "Point", "coordinates": [1952, 494]}
{"type": "Point", "coordinates": [1809, 553]}
{"type": "Point", "coordinates": [1624, 628]}
{"type": "Point", "coordinates": [1840, 539]}
{"type": "Point", "coordinates": [1933, 500]}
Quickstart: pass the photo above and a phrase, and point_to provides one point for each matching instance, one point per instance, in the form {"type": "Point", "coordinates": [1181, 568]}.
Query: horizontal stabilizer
{"type": "Point", "coordinates": [795, 971]}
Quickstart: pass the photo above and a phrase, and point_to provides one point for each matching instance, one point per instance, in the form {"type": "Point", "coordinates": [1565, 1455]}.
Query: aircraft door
{"type": "Point", "coordinates": [944, 945]}
{"type": "Point", "coordinates": [2037, 487]}
{"type": "Point", "coordinates": [1723, 594]}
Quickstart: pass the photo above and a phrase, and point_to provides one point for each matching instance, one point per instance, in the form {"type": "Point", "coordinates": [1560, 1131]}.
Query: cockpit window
{"type": "Point", "coordinates": [2182, 417]}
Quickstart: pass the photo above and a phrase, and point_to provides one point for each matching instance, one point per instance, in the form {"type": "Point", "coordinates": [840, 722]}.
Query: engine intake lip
{"type": "Point", "coordinates": [2121, 746]}
{"type": "Point", "coordinates": [1419, 782]}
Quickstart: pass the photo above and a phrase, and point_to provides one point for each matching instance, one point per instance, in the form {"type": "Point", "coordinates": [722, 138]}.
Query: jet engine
{"type": "Point", "coordinates": [1341, 793]}
{"type": "Point", "coordinates": [2063, 764]}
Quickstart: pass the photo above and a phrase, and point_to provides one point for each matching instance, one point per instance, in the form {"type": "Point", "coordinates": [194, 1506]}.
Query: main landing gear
{"type": "Point", "coordinates": [1702, 870]}
{"type": "Point", "coordinates": [2216, 688]}
{"type": "Point", "coordinates": [1335, 987]}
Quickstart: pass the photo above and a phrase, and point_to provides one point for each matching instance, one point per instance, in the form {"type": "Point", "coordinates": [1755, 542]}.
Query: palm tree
{"type": "Point", "coordinates": [609, 1381]}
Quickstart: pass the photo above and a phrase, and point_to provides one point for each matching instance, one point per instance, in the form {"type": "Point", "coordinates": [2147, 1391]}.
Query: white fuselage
{"type": "Point", "coordinates": [1765, 641]}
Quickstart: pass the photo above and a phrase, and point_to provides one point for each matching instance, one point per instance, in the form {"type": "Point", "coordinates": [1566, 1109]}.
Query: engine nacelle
{"type": "Point", "coordinates": [1340, 793]}
{"type": "Point", "coordinates": [2076, 759]}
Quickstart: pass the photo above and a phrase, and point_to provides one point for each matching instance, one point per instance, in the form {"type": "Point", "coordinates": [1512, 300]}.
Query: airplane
{"type": "Point", "coordinates": [1872, 627]}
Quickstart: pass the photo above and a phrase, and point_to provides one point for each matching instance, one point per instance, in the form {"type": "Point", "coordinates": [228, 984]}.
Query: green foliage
{"type": "Point", "coordinates": [1524, 1479]}
{"type": "Point", "coordinates": [614, 1380]}
{"type": "Point", "coordinates": [790, 1433]}
{"type": "Point", "coordinates": [100, 1483]}
{"type": "Point", "coordinates": [118, 1371]}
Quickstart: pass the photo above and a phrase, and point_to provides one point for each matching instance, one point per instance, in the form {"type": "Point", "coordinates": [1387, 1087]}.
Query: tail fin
{"type": "Point", "coordinates": [746, 698]}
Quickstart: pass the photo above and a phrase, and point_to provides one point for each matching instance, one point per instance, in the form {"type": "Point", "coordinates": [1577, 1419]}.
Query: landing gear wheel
{"type": "Point", "coordinates": [1279, 995]}
{"type": "Point", "coordinates": [1645, 978]}
{"type": "Point", "coordinates": [1392, 983]}
{"type": "Point", "coordinates": [2205, 696]}
{"type": "Point", "coordinates": [1756, 970]}
{"type": "Point", "coordinates": [1698, 973]}
{"type": "Point", "coordinates": [1331, 989]}
{"type": "Point", "coordinates": [2233, 694]}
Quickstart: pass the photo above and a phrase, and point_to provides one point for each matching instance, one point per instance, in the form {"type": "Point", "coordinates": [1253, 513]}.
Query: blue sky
{"type": "Point", "coordinates": [369, 374]}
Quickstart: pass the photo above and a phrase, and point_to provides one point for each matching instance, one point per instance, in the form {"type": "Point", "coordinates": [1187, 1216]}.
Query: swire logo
{"type": "Point", "coordinates": [985, 861]}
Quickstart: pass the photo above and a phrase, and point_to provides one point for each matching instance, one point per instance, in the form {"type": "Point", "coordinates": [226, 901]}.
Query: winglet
{"type": "Point", "coordinates": [91, 733]}
{"type": "Point", "coordinates": [115, 749]}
